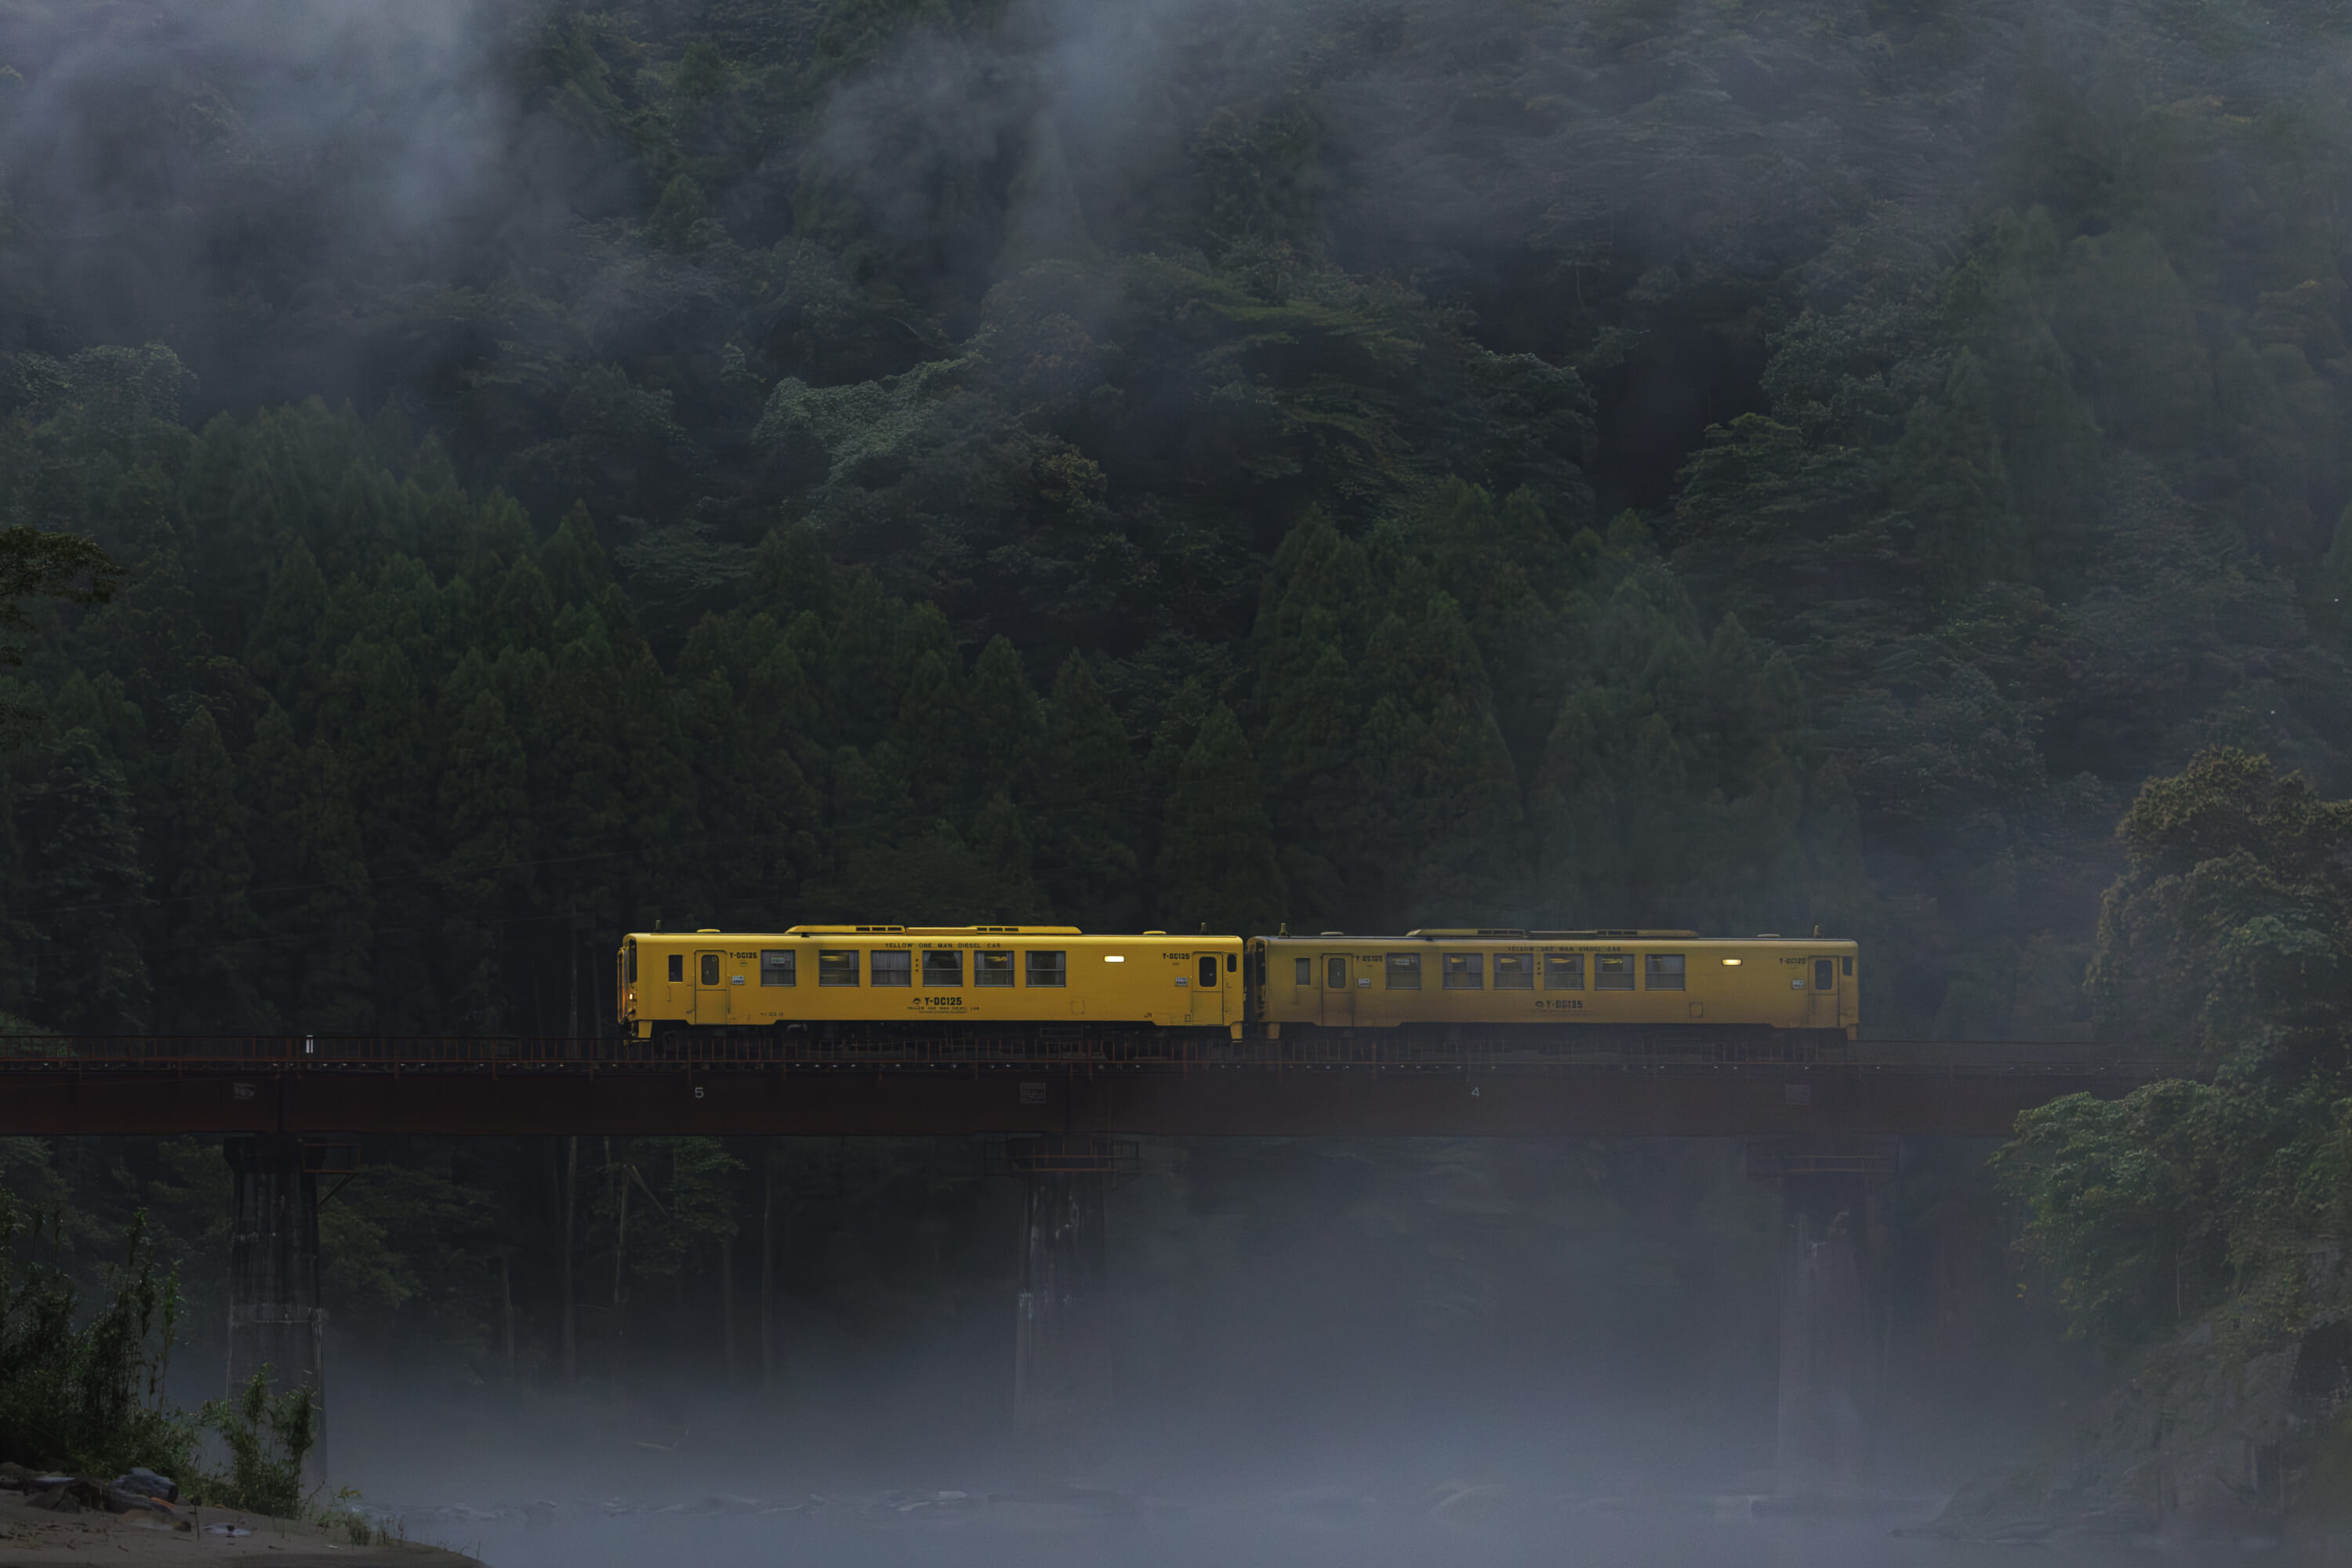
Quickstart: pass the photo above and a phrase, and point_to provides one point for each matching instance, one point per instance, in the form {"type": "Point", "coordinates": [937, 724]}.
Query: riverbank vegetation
{"type": "Point", "coordinates": [2230, 934]}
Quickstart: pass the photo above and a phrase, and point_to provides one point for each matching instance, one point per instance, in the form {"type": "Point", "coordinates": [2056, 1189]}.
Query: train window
{"type": "Point", "coordinates": [1208, 969]}
{"type": "Point", "coordinates": [1049, 968]}
{"type": "Point", "coordinates": [837, 968]}
{"type": "Point", "coordinates": [677, 967]}
{"type": "Point", "coordinates": [1335, 973]}
{"type": "Point", "coordinates": [887, 968]}
{"type": "Point", "coordinates": [633, 964]}
{"type": "Point", "coordinates": [1564, 972]}
{"type": "Point", "coordinates": [779, 967]}
{"type": "Point", "coordinates": [1233, 962]}
{"type": "Point", "coordinates": [1849, 964]}
{"type": "Point", "coordinates": [1304, 971]}
{"type": "Point", "coordinates": [1824, 975]}
{"type": "Point", "coordinates": [1464, 971]}
{"type": "Point", "coordinates": [942, 968]}
{"type": "Point", "coordinates": [1515, 972]}
{"type": "Point", "coordinates": [1612, 971]}
{"type": "Point", "coordinates": [1404, 970]}
{"type": "Point", "coordinates": [992, 969]}
{"type": "Point", "coordinates": [1662, 971]}
{"type": "Point", "coordinates": [710, 968]}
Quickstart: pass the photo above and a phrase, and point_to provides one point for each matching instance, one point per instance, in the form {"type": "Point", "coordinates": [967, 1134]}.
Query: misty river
{"type": "Point", "coordinates": [914, 1468]}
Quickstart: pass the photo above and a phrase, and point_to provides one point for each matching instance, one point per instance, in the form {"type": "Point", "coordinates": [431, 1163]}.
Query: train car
{"type": "Point", "coordinates": [925, 980]}
{"type": "Point", "coordinates": [1635, 984]}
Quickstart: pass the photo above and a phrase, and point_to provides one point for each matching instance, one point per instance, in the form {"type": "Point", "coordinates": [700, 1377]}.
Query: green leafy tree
{"type": "Point", "coordinates": [1086, 804]}
{"type": "Point", "coordinates": [2230, 932]}
{"type": "Point", "coordinates": [86, 883]}
{"type": "Point", "coordinates": [1216, 848]}
{"type": "Point", "coordinates": [81, 1388]}
{"type": "Point", "coordinates": [485, 799]}
{"type": "Point", "coordinates": [206, 918]}
{"type": "Point", "coordinates": [1440, 796]}
{"type": "Point", "coordinates": [269, 1435]}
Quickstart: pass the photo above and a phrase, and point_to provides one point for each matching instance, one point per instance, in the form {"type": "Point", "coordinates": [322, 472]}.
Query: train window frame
{"type": "Point", "coordinates": [1402, 971]}
{"type": "Point", "coordinates": [1335, 972]}
{"type": "Point", "coordinates": [678, 969]}
{"type": "Point", "coordinates": [1302, 972]}
{"type": "Point", "coordinates": [1233, 962]}
{"type": "Point", "coordinates": [942, 969]}
{"type": "Point", "coordinates": [842, 966]}
{"type": "Point", "coordinates": [890, 966]}
{"type": "Point", "coordinates": [1847, 964]}
{"type": "Point", "coordinates": [1665, 972]}
{"type": "Point", "coordinates": [779, 966]}
{"type": "Point", "coordinates": [1045, 969]}
{"type": "Point", "coordinates": [1207, 976]}
{"type": "Point", "coordinates": [1619, 978]}
{"type": "Point", "coordinates": [1824, 975]}
{"type": "Point", "coordinates": [709, 966]}
{"type": "Point", "coordinates": [1515, 972]}
{"type": "Point", "coordinates": [631, 970]}
{"type": "Point", "coordinates": [1563, 971]}
{"type": "Point", "coordinates": [1462, 972]}
{"type": "Point", "coordinates": [992, 969]}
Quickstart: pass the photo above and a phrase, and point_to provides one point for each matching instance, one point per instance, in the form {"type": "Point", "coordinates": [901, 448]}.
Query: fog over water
{"type": "Point", "coordinates": [1366, 1359]}
{"type": "Point", "coordinates": [1232, 465]}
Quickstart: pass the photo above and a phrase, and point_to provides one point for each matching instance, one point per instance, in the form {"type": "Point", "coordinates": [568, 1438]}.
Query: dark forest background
{"type": "Point", "coordinates": [1738, 465]}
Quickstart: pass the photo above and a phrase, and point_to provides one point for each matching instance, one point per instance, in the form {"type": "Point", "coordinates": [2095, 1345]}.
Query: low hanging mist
{"type": "Point", "coordinates": [551, 472]}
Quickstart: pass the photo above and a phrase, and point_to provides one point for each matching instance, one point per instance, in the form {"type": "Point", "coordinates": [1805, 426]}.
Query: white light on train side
{"type": "Point", "coordinates": [1731, 964]}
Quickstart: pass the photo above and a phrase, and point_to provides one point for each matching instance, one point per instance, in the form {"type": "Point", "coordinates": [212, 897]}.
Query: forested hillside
{"type": "Point", "coordinates": [1734, 464]}
{"type": "Point", "coordinates": [1742, 466]}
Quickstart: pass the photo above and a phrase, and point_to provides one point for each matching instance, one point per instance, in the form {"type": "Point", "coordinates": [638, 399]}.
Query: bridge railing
{"type": "Point", "coordinates": [1567, 1048]}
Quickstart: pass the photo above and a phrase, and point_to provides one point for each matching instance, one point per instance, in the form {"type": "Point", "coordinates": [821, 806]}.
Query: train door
{"type": "Point", "coordinates": [710, 987]}
{"type": "Point", "coordinates": [1823, 994]}
{"type": "Point", "coordinates": [1208, 989]}
{"type": "Point", "coordinates": [1339, 990]}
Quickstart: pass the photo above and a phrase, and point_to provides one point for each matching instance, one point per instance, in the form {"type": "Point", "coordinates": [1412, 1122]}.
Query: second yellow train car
{"type": "Point", "coordinates": [1652, 981]}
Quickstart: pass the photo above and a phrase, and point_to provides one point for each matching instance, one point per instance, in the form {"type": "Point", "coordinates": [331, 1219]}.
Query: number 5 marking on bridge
{"type": "Point", "coordinates": [698, 1091]}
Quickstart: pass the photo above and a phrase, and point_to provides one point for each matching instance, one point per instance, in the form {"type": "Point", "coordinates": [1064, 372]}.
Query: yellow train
{"type": "Point", "coordinates": [929, 979]}
{"type": "Point", "coordinates": [882, 980]}
{"type": "Point", "coordinates": [1653, 983]}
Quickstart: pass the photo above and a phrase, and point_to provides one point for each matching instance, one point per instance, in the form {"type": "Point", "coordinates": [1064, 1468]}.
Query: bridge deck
{"type": "Point", "coordinates": [1364, 1084]}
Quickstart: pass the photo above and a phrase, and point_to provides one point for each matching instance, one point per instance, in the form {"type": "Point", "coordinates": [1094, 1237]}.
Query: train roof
{"type": "Point", "coordinates": [1514, 933]}
{"type": "Point", "coordinates": [808, 930]}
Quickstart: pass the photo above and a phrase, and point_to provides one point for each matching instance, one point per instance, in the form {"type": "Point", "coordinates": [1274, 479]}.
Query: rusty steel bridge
{"type": "Point", "coordinates": [1062, 1109]}
{"type": "Point", "coordinates": [1362, 1084]}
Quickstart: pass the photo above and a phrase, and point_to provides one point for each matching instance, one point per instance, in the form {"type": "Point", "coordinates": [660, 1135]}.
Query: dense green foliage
{"type": "Point", "coordinates": [744, 374]}
{"type": "Point", "coordinates": [267, 1437]}
{"type": "Point", "coordinates": [84, 1389]}
{"type": "Point", "coordinates": [2231, 930]}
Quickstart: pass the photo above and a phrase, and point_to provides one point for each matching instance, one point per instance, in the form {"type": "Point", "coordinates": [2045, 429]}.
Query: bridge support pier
{"type": "Point", "coordinates": [1061, 1348]}
{"type": "Point", "coordinates": [274, 1316]}
{"type": "Point", "coordinates": [1826, 1395]}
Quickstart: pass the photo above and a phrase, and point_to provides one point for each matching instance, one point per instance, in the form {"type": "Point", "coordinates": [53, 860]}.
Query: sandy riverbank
{"type": "Point", "coordinates": [30, 1536]}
